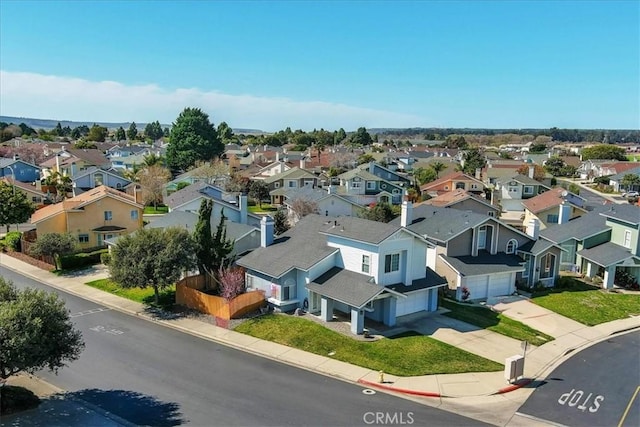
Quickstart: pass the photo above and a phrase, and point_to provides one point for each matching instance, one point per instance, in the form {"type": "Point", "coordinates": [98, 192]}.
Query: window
{"type": "Point", "coordinates": [276, 184]}
{"type": "Point", "coordinates": [83, 238]}
{"type": "Point", "coordinates": [491, 213]}
{"type": "Point", "coordinates": [371, 185]}
{"type": "Point", "coordinates": [355, 184]}
{"type": "Point", "coordinates": [527, 266]}
{"type": "Point", "coordinates": [548, 262]}
{"type": "Point", "coordinates": [512, 246]}
{"type": "Point", "coordinates": [99, 179]}
{"type": "Point", "coordinates": [513, 189]}
{"type": "Point", "coordinates": [474, 187]}
{"type": "Point", "coordinates": [292, 184]}
{"type": "Point", "coordinates": [552, 219]}
{"type": "Point", "coordinates": [396, 191]}
{"type": "Point", "coordinates": [528, 189]}
{"type": "Point", "coordinates": [627, 239]}
{"type": "Point", "coordinates": [134, 214]}
{"type": "Point", "coordinates": [482, 237]}
{"type": "Point", "coordinates": [391, 263]}
{"type": "Point", "coordinates": [118, 186]}
{"type": "Point", "coordinates": [108, 215]}
{"type": "Point", "coordinates": [459, 185]}
{"type": "Point", "coordinates": [283, 292]}
{"type": "Point", "coordinates": [36, 199]}
{"type": "Point", "coordinates": [365, 263]}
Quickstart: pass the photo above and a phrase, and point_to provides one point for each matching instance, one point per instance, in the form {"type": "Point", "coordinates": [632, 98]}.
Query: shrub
{"type": "Point", "coordinates": [15, 399]}
{"type": "Point", "coordinates": [69, 262]}
{"type": "Point", "coordinates": [105, 258]}
{"type": "Point", "coordinates": [565, 283]}
{"type": "Point", "coordinates": [12, 241]}
{"type": "Point", "coordinates": [466, 293]}
{"type": "Point", "coordinates": [554, 181]}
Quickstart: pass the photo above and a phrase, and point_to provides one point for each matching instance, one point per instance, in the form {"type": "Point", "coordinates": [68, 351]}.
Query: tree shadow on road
{"type": "Point", "coordinates": [134, 407]}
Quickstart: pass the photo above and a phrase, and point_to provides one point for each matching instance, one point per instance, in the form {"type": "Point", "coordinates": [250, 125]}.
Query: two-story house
{"type": "Point", "coordinates": [356, 266]}
{"type": "Point", "coordinates": [92, 217]}
{"type": "Point", "coordinates": [327, 201]}
{"type": "Point", "coordinates": [452, 182]}
{"type": "Point", "coordinates": [93, 177]}
{"type": "Point", "coordinates": [462, 200]}
{"type": "Point", "coordinates": [19, 170]}
{"type": "Point", "coordinates": [479, 252]}
{"type": "Point", "coordinates": [600, 242]}
{"type": "Point", "coordinates": [556, 206]}
{"type": "Point", "coordinates": [365, 188]}
{"type": "Point", "coordinates": [288, 180]}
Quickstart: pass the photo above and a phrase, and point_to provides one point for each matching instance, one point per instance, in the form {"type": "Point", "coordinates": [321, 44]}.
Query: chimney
{"type": "Point", "coordinates": [565, 213]}
{"type": "Point", "coordinates": [532, 170]}
{"type": "Point", "coordinates": [406, 217]}
{"type": "Point", "coordinates": [58, 163]}
{"type": "Point", "coordinates": [303, 162]}
{"type": "Point", "coordinates": [533, 228]}
{"type": "Point", "coordinates": [242, 203]}
{"type": "Point", "coordinates": [277, 156]}
{"type": "Point", "coordinates": [16, 157]}
{"type": "Point", "coordinates": [331, 189]}
{"type": "Point", "coordinates": [478, 173]}
{"type": "Point", "coordinates": [266, 231]}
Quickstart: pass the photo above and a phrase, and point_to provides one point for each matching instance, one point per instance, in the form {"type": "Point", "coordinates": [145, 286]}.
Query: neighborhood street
{"type": "Point", "coordinates": [598, 386]}
{"type": "Point", "coordinates": [148, 374]}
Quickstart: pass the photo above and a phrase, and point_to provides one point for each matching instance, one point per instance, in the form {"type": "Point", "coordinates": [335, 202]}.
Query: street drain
{"type": "Point", "coordinates": [368, 391]}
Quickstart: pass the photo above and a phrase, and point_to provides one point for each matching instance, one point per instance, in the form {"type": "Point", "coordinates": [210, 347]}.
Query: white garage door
{"type": "Point", "coordinates": [500, 284]}
{"type": "Point", "coordinates": [414, 302]}
{"type": "Point", "coordinates": [477, 286]}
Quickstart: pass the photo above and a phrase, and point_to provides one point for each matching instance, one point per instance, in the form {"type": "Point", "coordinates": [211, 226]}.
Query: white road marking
{"type": "Point", "coordinates": [87, 312]}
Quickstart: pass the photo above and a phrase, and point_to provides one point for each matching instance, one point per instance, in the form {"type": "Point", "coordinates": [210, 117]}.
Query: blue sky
{"type": "Point", "coordinates": [268, 65]}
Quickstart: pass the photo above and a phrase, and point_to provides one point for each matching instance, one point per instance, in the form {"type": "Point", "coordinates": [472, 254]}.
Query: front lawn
{"type": "Point", "coordinates": [266, 208]}
{"type": "Point", "coordinates": [486, 318]}
{"type": "Point", "coordinates": [144, 296]}
{"type": "Point", "coordinates": [589, 305]}
{"type": "Point", "coordinates": [403, 355]}
{"type": "Point", "coordinates": [150, 210]}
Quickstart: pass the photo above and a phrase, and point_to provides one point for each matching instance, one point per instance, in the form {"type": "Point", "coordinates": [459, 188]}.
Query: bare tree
{"type": "Point", "coordinates": [152, 180]}
{"type": "Point", "coordinates": [212, 172]}
{"type": "Point", "coordinates": [301, 206]}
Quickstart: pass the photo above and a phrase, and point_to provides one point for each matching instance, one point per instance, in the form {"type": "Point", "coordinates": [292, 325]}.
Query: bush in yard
{"type": "Point", "coordinates": [83, 259]}
{"type": "Point", "coordinates": [12, 240]}
{"type": "Point", "coordinates": [466, 293]}
{"type": "Point", "coordinates": [54, 245]}
{"type": "Point", "coordinates": [105, 258]}
{"type": "Point", "coordinates": [15, 399]}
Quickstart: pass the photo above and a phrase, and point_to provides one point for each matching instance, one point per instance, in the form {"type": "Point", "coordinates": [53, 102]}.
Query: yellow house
{"type": "Point", "coordinates": [556, 206]}
{"type": "Point", "coordinates": [94, 216]}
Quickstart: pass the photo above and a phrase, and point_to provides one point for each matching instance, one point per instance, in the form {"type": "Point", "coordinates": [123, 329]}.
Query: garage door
{"type": "Point", "coordinates": [477, 286]}
{"type": "Point", "coordinates": [414, 302]}
{"type": "Point", "coordinates": [500, 284]}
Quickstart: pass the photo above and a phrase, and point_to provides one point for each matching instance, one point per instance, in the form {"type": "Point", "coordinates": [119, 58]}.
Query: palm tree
{"type": "Point", "coordinates": [438, 167]}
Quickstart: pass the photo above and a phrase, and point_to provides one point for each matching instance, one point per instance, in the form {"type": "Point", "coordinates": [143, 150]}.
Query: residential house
{"type": "Point", "coordinates": [92, 217]}
{"type": "Point", "coordinates": [616, 181]}
{"type": "Point", "coordinates": [365, 188]}
{"type": "Point", "coordinates": [556, 206]}
{"type": "Point", "coordinates": [288, 180]}
{"type": "Point", "coordinates": [600, 242]}
{"type": "Point", "coordinates": [479, 252]}
{"type": "Point", "coordinates": [511, 192]}
{"type": "Point", "coordinates": [465, 201]}
{"type": "Point", "coordinates": [452, 182]}
{"type": "Point", "coordinates": [33, 191]}
{"type": "Point", "coordinates": [19, 169]}
{"type": "Point", "coordinates": [328, 202]}
{"type": "Point", "coordinates": [93, 177]}
{"type": "Point", "coordinates": [359, 267]}
{"type": "Point", "coordinates": [72, 161]}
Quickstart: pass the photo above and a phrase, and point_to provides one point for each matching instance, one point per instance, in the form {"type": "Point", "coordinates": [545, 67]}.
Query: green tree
{"type": "Point", "coordinates": [473, 159]}
{"type": "Point", "coordinates": [365, 158]}
{"type": "Point", "coordinates": [630, 180]}
{"type": "Point", "coordinates": [222, 246]}
{"type": "Point", "coordinates": [538, 171]}
{"type": "Point", "coordinates": [35, 331]}
{"type": "Point", "coordinates": [97, 133]}
{"type": "Point", "coordinates": [152, 257]}
{"type": "Point", "coordinates": [554, 166]}
{"type": "Point", "coordinates": [203, 238]}
{"type": "Point", "coordinates": [259, 191]}
{"type": "Point", "coordinates": [121, 135]}
{"type": "Point", "coordinates": [153, 131]}
{"type": "Point", "coordinates": [339, 136]}
{"type": "Point", "coordinates": [193, 137]}
{"type": "Point", "coordinates": [381, 212]}
{"type": "Point", "coordinates": [538, 148]}
{"type": "Point", "coordinates": [132, 132]}
{"type": "Point", "coordinates": [15, 208]}
{"type": "Point", "coordinates": [54, 245]}
{"type": "Point", "coordinates": [438, 167]}
{"type": "Point", "coordinates": [424, 175]}
{"type": "Point", "coordinates": [604, 152]}
{"type": "Point", "coordinates": [85, 144]}
{"type": "Point", "coordinates": [225, 132]}
{"type": "Point", "coordinates": [361, 137]}
{"type": "Point", "coordinates": [280, 221]}
{"type": "Point", "coordinates": [58, 130]}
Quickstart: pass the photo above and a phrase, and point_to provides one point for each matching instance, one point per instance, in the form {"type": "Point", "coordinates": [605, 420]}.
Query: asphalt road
{"type": "Point", "coordinates": [599, 386]}
{"type": "Point", "coordinates": [152, 375]}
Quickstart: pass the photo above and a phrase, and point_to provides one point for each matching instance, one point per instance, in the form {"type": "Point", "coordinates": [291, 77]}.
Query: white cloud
{"type": "Point", "coordinates": [34, 95]}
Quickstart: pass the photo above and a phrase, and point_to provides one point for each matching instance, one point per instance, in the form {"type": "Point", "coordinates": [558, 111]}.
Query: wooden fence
{"type": "Point", "coordinates": [188, 293]}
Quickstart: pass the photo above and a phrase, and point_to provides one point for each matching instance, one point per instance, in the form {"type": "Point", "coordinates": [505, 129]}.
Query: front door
{"type": "Point", "coordinates": [314, 304]}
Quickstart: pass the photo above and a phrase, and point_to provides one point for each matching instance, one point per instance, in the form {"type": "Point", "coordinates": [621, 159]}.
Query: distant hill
{"type": "Point", "coordinates": [49, 124]}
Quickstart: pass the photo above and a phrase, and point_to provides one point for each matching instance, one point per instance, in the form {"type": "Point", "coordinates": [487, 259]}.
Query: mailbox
{"type": "Point", "coordinates": [513, 368]}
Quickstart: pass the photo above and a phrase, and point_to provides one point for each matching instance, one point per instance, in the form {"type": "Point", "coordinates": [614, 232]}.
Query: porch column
{"type": "Point", "coordinates": [389, 311]}
{"type": "Point", "coordinates": [433, 300]}
{"type": "Point", "coordinates": [357, 321]}
{"type": "Point", "coordinates": [589, 269]}
{"type": "Point", "coordinates": [326, 309]}
{"type": "Point", "coordinates": [609, 275]}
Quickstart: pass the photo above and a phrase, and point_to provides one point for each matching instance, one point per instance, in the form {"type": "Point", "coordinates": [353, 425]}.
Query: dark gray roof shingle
{"type": "Point", "coordinates": [627, 213]}
{"type": "Point", "coordinates": [360, 229]}
{"type": "Point", "coordinates": [442, 224]}
{"type": "Point", "coordinates": [432, 280]}
{"type": "Point", "coordinates": [346, 286]}
{"type": "Point", "coordinates": [579, 228]}
{"type": "Point", "coordinates": [485, 263]}
{"type": "Point", "coordinates": [606, 254]}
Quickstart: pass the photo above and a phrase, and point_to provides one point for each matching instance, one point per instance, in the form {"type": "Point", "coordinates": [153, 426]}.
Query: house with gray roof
{"type": "Point", "coordinates": [479, 252]}
{"type": "Point", "coordinates": [600, 243]}
{"type": "Point", "coordinates": [326, 201]}
{"type": "Point", "coordinates": [19, 170]}
{"type": "Point", "coordinates": [290, 179]}
{"type": "Point", "coordinates": [618, 183]}
{"type": "Point", "coordinates": [93, 177]}
{"type": "Point", "coordinates": [366, 269]}
{"type": "Point", "coordinates": [366, 188]}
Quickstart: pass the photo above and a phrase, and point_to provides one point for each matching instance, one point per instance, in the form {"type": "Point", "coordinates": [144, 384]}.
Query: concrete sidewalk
{"type": "Point", "coordinates": [475, 388]}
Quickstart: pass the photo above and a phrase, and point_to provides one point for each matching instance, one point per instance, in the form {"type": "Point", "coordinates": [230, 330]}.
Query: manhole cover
{"type": "Point", "coordinates": [368, 391]}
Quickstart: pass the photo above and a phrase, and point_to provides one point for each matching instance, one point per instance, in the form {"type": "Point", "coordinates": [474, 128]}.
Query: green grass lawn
{"type": "Point", "coordinates": [150, 210]}
{"type": "Point", "coordinates": [144, 296]}
{"type": "Point", "coordinates": [266, 208]}
{"type": "Point", "coordinates": [589, 305]}
{"type": "Point", "coordinates": [485, 318]}
{"type": "Point", "coordinates": [405, 355]}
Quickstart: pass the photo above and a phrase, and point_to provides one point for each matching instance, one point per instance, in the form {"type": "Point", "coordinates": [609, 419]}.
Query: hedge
{"type": "Point", "coordinates": [82, 259]}
{"type": "Point", "coordinates": [12, 240]}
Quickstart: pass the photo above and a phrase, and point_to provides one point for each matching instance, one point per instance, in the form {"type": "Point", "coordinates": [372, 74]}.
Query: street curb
{"type": "Point", "coordinates": [513, 387]}
{"type": "Point", "coordinates": [400, 390]}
